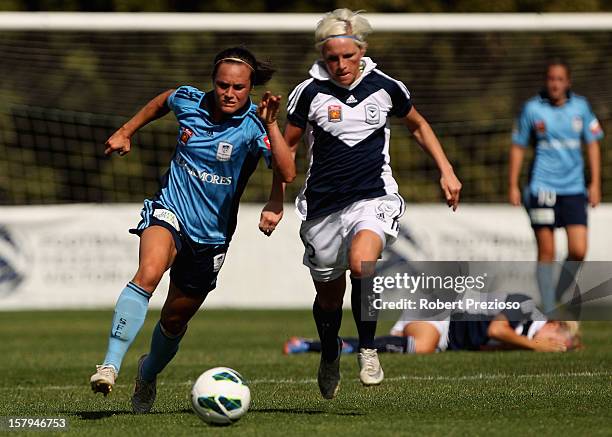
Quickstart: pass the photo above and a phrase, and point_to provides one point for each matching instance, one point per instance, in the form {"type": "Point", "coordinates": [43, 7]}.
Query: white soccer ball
{"type": "Point", "coordinates": [220, 396]}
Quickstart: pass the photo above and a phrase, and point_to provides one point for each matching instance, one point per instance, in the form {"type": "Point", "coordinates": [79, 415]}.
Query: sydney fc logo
{"type": "Point", "coordinates": [224, 151]}
{"type": "Point", "coordinates": [577, 124]}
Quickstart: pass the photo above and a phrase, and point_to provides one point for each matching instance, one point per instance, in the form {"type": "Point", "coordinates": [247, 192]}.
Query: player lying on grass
{"type": "Point", "coordinates": [188, 225]}
{"type": "Point", "coordinates": [506, 330]}
{"type": "Point", "coordinates": [349, 204]}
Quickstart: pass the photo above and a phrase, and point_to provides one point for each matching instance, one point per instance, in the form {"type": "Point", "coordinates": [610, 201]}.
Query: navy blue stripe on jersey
{"type": "Point", "coordinates": [526, 327]}
{"type": "Point", "coordinates": [148, 206]}
{"type": "Point", "coordinates": [297, 111]}
{"type": "Point", "coordinates": [370, 84]}
{"type": "Point", "coordinates": [341, 175]}
{"type": "Point", "coordinates": [400, 96]}
{"type": "Point", "coordinates": [295, 95]}
{"type": "Point", "coordinates": [373, 82]}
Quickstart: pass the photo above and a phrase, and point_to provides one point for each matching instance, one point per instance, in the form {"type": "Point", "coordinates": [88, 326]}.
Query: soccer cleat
{"type": "Point", "coordinates": [103, 380]}
{"type": "Point", "coordinates": [144, 392]}
{"type": "Point", "coordinates": [295, 345]}
{"type": "Point", "coordinates": [370, 371]}
{"type": "Point", "coordinates": [328, 376]}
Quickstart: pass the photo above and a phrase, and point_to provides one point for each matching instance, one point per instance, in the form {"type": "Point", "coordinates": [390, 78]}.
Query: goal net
{"type": "Point", "coordinates": [65, 89]}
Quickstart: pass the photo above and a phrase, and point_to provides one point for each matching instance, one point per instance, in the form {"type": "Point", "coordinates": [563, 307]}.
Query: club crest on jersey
{"type": "Point", "coordinates": [334, 113]}
{"type": "Point", "coordinates": [224, 151]}
{"type": "Point", "coordinates": [372, 113]}
{"type": "Point", "coordinates": [266, 141]}
{"type": "Point", "coordinates": [540, 126]}
{"type": "Point", "coordinates": [577, 124]}
{"type": "Point", "coordinates": [186, 133]}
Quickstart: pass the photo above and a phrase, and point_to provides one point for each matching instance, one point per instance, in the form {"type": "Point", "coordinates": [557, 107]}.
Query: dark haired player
{"type": "Point", "coordinates": [188, 225]}
{"type": "Point", "coordinates": [556, 122]}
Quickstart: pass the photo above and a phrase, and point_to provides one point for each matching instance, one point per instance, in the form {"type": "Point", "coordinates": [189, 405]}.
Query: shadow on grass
{"type": "Point", "coordinates": [97, 415]}
{"type": "Point", "coordinates": [303, 412]}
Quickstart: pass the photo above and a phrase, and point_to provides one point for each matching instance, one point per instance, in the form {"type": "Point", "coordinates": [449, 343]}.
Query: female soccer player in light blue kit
{"type": "Point", "coordinates": [557, 123]}
{"type": "Point", "coordinates": [349, 204]}
{"type": "Point", "coordinates": [188, 225]}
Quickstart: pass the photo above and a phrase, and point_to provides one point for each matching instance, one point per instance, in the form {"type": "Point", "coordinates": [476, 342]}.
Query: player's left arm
{"type": "Point", "coordinates": [426, 138]}
{"type": "Point", "coordinates": [594, 155]}
{"type": "Point", "coordinates": [591, 135]}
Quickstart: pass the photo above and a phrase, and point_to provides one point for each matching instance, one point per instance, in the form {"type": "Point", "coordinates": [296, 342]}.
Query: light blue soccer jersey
{"type": "Point", "coordinates": [558, 133]}
{"type": "Point", "coordinates": [210, 166]}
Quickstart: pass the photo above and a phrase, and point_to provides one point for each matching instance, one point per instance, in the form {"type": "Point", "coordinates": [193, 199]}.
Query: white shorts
{"type": "Point", "coordinates": [442, 326]}
{"type": "Point", "coordinates": [327, 239]}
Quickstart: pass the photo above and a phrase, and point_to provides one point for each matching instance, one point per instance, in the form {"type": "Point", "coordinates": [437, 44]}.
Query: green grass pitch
{"type": "Point", "coordinates": [46, 359]}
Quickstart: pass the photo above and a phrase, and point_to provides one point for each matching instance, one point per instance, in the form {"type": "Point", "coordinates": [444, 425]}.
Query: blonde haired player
{"type": "Point", "coordinates": [349, 203]}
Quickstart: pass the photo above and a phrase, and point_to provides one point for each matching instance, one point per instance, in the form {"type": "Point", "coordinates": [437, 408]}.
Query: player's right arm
{"type": "Point", "coordinates": [120, 141]}
{"type": "Point", "coordinates": [272, 212]}
{"type": "Point", "coordinates": [520, 140]}
{"type": "Point", "coordinates": [501, 330]}
{"type": "Point", "coordinates": [517, 154]}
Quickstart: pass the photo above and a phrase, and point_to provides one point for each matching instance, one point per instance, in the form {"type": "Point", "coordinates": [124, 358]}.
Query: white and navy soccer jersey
{"type": "Point", "coordinates": [210, 166]}
{"type": "Point", "coordinates": [347, 134]}
{"type": "Point", "coordinates": [471, 333]}
{"type": "Point", "coordinates": [558, 133]}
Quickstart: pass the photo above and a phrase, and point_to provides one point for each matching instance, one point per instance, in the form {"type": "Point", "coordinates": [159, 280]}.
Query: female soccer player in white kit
{"type": "Point", "coordinates": [349, 203]}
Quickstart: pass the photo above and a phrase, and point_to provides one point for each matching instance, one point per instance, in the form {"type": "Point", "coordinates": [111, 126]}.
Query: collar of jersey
{"type": "Point", "coordinates": [319, 72]}
{"type": "Point", "coordinates": [535, 327]}
{"type": "Point", "coordinates": [544, 96]}
{"type": "Point", "coordinates": [241, 113]}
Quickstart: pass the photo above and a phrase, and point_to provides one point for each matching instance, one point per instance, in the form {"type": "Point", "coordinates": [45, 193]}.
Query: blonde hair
{"type": "Point", "coordinates": [342, 23]}
{"type": "Point", "coordinates": [571, 329]}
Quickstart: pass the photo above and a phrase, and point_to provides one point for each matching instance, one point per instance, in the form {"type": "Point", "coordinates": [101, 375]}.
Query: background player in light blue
{"type": "Point", "coordinates": [557, 123]}
{"type": "Point", "coordinates": [188, 225]}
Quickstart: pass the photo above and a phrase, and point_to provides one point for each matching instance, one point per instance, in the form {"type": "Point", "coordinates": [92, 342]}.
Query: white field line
{"type": "Point", "coordinates": [475, 377]}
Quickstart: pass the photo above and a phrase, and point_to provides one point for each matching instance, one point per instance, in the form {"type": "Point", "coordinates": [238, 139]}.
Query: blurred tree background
{"type": "Point", "coordinates": [63, 93]}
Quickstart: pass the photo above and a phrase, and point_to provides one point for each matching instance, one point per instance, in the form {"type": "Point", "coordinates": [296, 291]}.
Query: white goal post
{"type": "Point", "coordinates": [296, 22]}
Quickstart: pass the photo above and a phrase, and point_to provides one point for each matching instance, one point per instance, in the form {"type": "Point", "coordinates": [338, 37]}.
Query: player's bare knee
{"type": "Point", "coordinates": [546, 255]}
{"type": "Point", "coordinates": [356, 267]}
{"type": "Point", "coordinates": [576, 254]}
{"type": "Point", "coordinates": [424, 347]}
{"type": "Point", "coordinates": [148, 276]}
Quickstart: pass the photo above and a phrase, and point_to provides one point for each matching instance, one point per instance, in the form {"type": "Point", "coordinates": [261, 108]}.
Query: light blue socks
{"type": "Point", "coordinates": [130, 313]}
{"type": "Point", "coordinates": [546, 283]}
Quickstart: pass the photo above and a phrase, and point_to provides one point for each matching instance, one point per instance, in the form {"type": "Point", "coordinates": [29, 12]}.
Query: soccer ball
{"type": "Point", "coordinates": [220, 396]}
